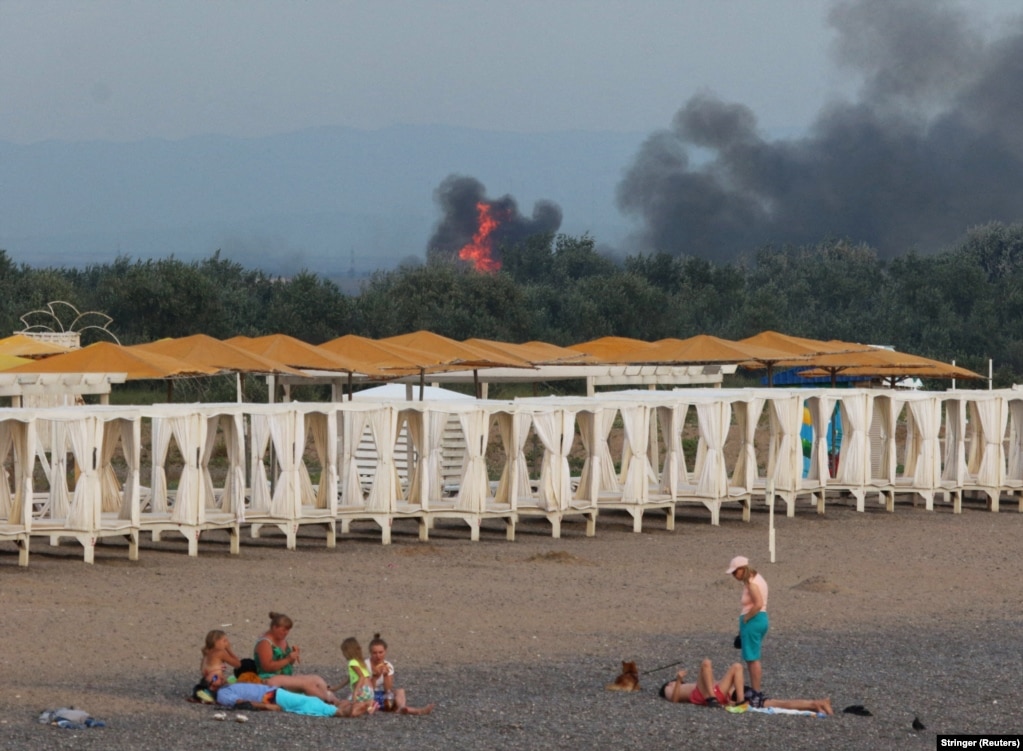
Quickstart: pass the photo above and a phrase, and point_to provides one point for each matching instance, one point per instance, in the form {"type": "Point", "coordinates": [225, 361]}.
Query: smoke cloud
{"type": "Point", "coordinates": [458, 196]}
{"type": "Point", "coordinates": [931, 146]}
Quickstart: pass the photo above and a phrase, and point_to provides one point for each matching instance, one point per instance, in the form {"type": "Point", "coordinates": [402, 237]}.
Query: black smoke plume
{"type": "Point", "coordinates": [457, 197]}
{"type": "Point", "coordinates": [932, 145]}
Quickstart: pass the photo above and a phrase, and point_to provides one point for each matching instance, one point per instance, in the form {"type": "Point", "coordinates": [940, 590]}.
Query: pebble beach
{"type": "Point", "coordinates": [912, 614]}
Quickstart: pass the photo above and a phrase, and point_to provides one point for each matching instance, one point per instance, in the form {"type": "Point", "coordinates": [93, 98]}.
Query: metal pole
{"type": "Point", "coordinates": [769, 490]}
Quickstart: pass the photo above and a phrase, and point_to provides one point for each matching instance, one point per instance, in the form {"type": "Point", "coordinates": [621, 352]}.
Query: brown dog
{"type": "Point", "coordinates": [628, 680]}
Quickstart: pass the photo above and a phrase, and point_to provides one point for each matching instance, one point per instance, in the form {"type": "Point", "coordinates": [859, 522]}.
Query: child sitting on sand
{"type": "Point", "coordinates": [389, 698]}
{"type": "Point", "coordinates": [217, 658]}
{"type": "Point", "coordinates": [359, 680]}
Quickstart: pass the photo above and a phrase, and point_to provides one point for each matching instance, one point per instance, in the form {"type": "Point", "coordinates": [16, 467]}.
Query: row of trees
{"type": "Point", "coordinates": [964, 304]}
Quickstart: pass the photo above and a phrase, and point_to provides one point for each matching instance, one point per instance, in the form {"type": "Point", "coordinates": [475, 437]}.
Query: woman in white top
{"type": "Point", "coordinates": [389, 698]}
{"type": "Point", "coordinates": [753, 623]}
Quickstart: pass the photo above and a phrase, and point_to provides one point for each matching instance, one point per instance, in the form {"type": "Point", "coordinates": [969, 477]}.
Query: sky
{"type": "Point", "coordinates": [889, 122]}
{"type": "Point", "coordinates": [125, 70]}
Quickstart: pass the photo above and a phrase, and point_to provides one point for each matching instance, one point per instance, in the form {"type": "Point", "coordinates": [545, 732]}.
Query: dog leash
{"type": "Point", "coordinates": [663, 667]}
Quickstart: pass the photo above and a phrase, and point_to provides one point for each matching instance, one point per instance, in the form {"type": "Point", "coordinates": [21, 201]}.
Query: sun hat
{"type": "Point", "coordinates": [738, 562]}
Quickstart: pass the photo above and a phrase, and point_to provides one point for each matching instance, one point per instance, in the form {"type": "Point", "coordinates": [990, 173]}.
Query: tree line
{"type": "Point", "coordinates": [964, 304]}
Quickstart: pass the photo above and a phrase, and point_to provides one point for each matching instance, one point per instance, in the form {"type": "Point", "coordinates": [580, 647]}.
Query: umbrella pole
{"type": "Point", "coordinates": [170, 390]}
{"type": "Point", "coordinates": [349, 385]}
{"type": "Point", "coordinates": [422, 382]}
{"type": "Point", "coordinates": [476, 382]}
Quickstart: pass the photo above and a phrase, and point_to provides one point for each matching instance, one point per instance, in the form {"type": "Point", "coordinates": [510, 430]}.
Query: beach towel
{"type": "Point", "coordinates": [779, 710]}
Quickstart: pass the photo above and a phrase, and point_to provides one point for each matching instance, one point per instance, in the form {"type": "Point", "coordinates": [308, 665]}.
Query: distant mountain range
{"type": "Point", "coordinates": [336, 201]}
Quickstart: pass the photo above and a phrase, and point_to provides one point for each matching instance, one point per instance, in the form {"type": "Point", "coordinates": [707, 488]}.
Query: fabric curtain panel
{"type": "Point", "coordinates": [190, 434]}
{"type": "Point", "coordinates": [514, 483]}
{"type": "Point", "coordinates": [884, 419]}
{"type": "Point", "coordinates": [84, 436]}
{"type": "Point", "coordinates": [417, 475]}
{"type": "Point", "coordinates": [232, 497]}
{"type": "Point", "coordinates": [927, 462]}
{"type": "Point", "coordinates": [131, 449]}
{"type": "Point", "coordinates": [715, 418]}
{"type": "Point", "coordinates": [383, 423]}
{"type": "Point", "coordinates": [635, 459]}
{"type": "Point", "coordinates": [1014, 469]}
{"type": "Point", "coordinates": [353, 424]}
{"type": "Point", "coordinates": [785, 456]}
{"type": "Point", "coordinates": [260, 442]}
{"type": "Point", "coordinates": [207, 493]}
{"type": "Point", "coordinates": [555, 428]}
{"type": "Point", "coordinates": [60, 492]}
{"type": "Point", "coordinates": [7, 429]}
{"type": "Point", "coordinates": [954, 469]}
{"type": "Point", "coordinates": [160, 438]}
{"type": "Point", "coordinates": [853, 467]}
{"type": "Point", "coordinates": [747, 417]}
{"type": "Point", "coordinates": [669, 416]}
{"type": "Point", "coordinates": [110, 486]}
{"type": "Point", "coordinates": [821, 407]}
{"type": "Point", "coordinates": [323, 429]}
{"type": "Point", "coordinates": [286, 499]}
{"type": "Point", "coordinates": [474, 490]}
{"type": "Point", "coordinates": [991, 414]}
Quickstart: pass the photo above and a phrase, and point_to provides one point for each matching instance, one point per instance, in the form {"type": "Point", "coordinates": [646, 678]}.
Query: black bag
{"type": "Point", "coordinates": [738, 641]}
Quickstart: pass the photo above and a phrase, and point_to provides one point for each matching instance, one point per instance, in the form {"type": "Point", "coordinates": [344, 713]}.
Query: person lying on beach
{"type": "Point", "coordinates": [705, 692]}
{"type": "Point", "coordinates": [273, 699]}
{"type": "Point", "coordinates": [389, 698]}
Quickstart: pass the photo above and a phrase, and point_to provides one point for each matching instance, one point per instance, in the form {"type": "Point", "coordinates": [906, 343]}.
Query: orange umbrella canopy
{"type": "Point", "coordinates": [705, 349]}
{"type": "Point", "coordinates": [538, 353]}
{"type": "Point", "coordinates": [614, 349]}
{"type": "Point", "coordinates": [298, 354]}
{"type": "Point", "coordinates": [206, 350]}
{"type": "Point", "coordinates": [104, 357]}
{"type": "Point", "coordinates": [382, 356]}
{"type": "Point", "coordinates": [25, 346]}
{"type": "Point", "coordinates": [450, 352]}
{"type": "Point", "coordinates": [12, 361]}
{"type": "Point", "coordinates": [798, 347]}
{"type": "Point", "coordinates": [885, 363]}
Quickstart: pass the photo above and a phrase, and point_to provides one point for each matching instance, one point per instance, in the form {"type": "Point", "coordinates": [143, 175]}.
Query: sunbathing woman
{"type": "Point", "coordinates": [275, 661]}
{"type": "Point", "coordinates": [382, 675]}
{"type": "Point", "coordinates": [705, 692]}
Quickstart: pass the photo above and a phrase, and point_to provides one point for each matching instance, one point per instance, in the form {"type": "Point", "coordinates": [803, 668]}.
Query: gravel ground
{"type": "Point", "coordinates": [912, 614]}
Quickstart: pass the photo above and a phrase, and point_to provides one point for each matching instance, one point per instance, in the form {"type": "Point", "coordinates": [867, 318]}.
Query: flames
{"type": "Point", "coordinates": [480, 252]}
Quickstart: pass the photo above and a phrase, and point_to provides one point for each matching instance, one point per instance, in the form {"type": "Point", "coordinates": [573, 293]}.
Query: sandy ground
{"type": "Point", "coordinates": [120, 638]}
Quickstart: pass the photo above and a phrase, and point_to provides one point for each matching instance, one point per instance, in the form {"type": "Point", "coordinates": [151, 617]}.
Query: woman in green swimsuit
{"type": "Point", "coordinates": [275, 661]}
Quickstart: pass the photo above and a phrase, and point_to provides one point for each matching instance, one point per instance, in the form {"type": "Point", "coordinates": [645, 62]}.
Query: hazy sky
{"type": "Point", "coordinates": [131, 69]}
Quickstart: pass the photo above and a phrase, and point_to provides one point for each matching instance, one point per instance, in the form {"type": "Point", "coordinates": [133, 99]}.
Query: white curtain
{"type": "Point", "coordinates": [991, 413]}
{"type": "Point", "coordinates": [435, 422]}
{"type": "Point", "coordinates": [1015, 466]}
{"type": "Point", "coordinates": [715, 418]}
{"type": "Point", "coordinates": [190, 434]}
{"type": "Point", "coordinates": [927, 460]}
{"type": "Point", "coordinates": [884, 418]}
{"type": "Point", "coordinates": [555, 428]}
{"type": "Point", "coordinates": [260, 483]}
{"type": "Point", "coordinates": [747, 416]}
{"type": "Point", "coordinates": [207, 493]}
{"type": "Point", "coordinates": [418, 471]}
{"type": "Point", "coordinates": [954, 470]}
{"type": "Point", "coordinates": [821, 407]}
{"type": "Point", "coordinates": [853, 468]}
{"type": "Point", "coordinates": [635, 460]}
{"type": "Point", "coordinates": [669, 416]}
{"type": "Point", "coordinates": [785, 456]}
{"type": "Point", "coordinates": [60, 493]}
{"type": "Point", "coordinates": [326, 493]}
{"type": "Point", "coordinates": [7, 428]}
{"type": "Point", "coordinates": [514, 482]}
{"type": "Point", "coordinates": [84, 435]}
{"type": "Point", "coordinates": [286, 501]}
{"type": "Point", "coordinates": [353, 423]}
{"type": "Point", "coordinates": [110, 486]}
{"type": "Point", "coordinates": [383, 422]}
{"type": "Point", "coordinates": [475, 487]}
{"type": "Point", "coordinates": [131, 437]}
{"type": "Point", "coordinates": [160, 438]}
{"type": "Point", "coordinates": [232, 499]}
